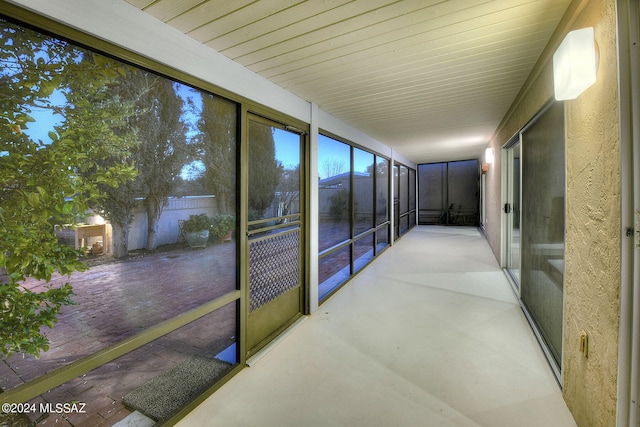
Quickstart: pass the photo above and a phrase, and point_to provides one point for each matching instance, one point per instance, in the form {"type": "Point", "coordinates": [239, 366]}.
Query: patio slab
{"type": "Point", "coordinates": [116, 300]}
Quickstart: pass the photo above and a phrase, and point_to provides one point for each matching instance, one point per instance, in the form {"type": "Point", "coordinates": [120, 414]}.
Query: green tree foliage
{"type": "Point", "coordinates": [160, 152]}
{"type": "Point", "coordinates": [217, 147]}
{"type": "Point", "coordinates": [339, 209]}
{"type": "Point", "coordinates": [163, 149]}
{"type": "Point", "coordinates": [97, 114]}
{"type": "Point", "coordinates": [265, 170]}
{"type": "Point", "coordinates": [44, 184]}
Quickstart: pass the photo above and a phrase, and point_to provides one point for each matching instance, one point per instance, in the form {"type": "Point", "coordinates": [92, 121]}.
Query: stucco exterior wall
{"type": "Point", "coordinates": [592, 269]}
{"type": "Point", "coordinates": [593, 232]}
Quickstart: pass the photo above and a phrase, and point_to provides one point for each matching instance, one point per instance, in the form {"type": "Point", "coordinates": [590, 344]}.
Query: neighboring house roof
{"type": "Point", "coordinates": [337, 179]}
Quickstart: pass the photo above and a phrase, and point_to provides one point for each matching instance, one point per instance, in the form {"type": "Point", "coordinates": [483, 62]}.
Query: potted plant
{"type": "Point", "coordinates": [222, 227]}
{"type": "Point", "coordinates": [196, 230]}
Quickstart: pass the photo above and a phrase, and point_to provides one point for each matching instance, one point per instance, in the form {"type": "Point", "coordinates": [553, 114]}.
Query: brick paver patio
{"type": "Point", "coordinates": [116, 300]}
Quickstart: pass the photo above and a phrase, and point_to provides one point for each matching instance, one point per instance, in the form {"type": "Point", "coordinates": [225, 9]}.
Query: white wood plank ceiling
{"type": "Point", "coordinates": [430, 78]}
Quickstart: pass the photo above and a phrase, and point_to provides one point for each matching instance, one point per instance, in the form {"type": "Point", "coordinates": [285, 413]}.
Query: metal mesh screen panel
{"type": "Point", "coordinates": [274, 267]}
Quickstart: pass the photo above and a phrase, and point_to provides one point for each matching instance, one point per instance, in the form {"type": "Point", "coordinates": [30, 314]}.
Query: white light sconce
{"type": "Point", "coordinates": [488, 159]}
{"type": "Point", "coordinates": [488, 155]}
{"type": "Point", "coordinates": [575, 64]}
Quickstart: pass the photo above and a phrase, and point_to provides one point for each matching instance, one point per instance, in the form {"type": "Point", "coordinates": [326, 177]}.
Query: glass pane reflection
{"type": "Point", "coordinates": [382, 187]}
{"type": "Point", "coordinates": [363, 179]}
{"type": "Point", "coordinates": [543, 223]}
{"type": "Point", "coordinates": [382, 238]}
{"type": "Point", "coordinates": [403, 189]}
{"type": "Point", "coordinates": [334, 192]}
{"type": "Point", "coordinates": [333, 270]}
{"type": "Point", "coordinates": [363, 251]}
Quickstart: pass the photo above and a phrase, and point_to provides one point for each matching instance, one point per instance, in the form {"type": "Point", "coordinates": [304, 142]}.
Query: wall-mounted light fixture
{"type": "Point", "coordinates": [488, 159]}
{"type": "Point", "coordinates": [488, 155]}
{"type": "Point", "coordinates": [575, 64]}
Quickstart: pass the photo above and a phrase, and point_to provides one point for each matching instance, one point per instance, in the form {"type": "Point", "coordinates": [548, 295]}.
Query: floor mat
{"type": "Point", "coordinates": [166, 394]}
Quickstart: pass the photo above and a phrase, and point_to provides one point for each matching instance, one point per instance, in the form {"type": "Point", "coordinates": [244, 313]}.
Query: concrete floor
{"type": "Point", "coordinates": [430, 334]}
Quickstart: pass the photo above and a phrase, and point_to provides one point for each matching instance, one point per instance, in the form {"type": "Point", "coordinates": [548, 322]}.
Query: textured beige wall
{"type": "Point", "coordinates": [593, 232]}
{"type": "Point", "coordinates": [592, 275]}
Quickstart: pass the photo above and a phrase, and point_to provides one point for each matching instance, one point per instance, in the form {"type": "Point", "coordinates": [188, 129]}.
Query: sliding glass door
{"type": "Point", "coordinates": [542, 231]}
{"type": "Point", "coordinates": [534, 213]}
{"type": "Point", "coordinates": [512, 211]}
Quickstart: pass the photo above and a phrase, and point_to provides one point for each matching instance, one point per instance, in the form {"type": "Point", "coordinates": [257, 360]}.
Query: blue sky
{"type": "Point", "coordinates": [287, 148]}
{"type": "Point", "coordinates": [287, 143]}
{"type": "Point", "coordinates": [331, 149]}
{"type": "Point", "coordinates": [45, 119]}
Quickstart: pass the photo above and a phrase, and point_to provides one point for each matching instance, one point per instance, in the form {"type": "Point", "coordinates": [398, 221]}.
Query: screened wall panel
{"type": "Point", "coordinates": [382, 190]}
{"type": "Point", "coordinates": [364, 192]}
{"type": "Point", "coordinates": [353, 193]}
{"type": "Point", "coordinates": [412, 197]}
{"type": "Point", "coordinates": [127, 165]}
{"type": "Point", "coordinates": [404, 204]}
{"type": "Point", "coordinates": [449, 193]}
{"type": "Point", "coordinates": [148, 379]}
{"type": "Point", "coordinates": [433, 193]}
{"type": "Point", "coordinates": [334, 269]}
{"type": "Point", "coordinates": [382, 237]}
{"type": "Point", "coordinates": [396, 201]}
{"type": "Point", "coordinates": [334, 192]}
